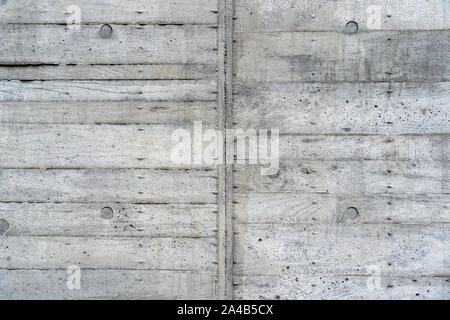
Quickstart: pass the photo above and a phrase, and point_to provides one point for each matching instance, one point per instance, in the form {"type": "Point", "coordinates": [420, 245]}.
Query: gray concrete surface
{"type": "Point", "coordinates": [86, 175]}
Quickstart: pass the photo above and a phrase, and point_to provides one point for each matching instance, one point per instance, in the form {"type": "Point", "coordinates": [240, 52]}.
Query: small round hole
{"type": "Point", "coordinates": [352, 213]}
{"type": "Point", "coordinates": [106, 31]}
{"type": "Point", "coordinates": [351, 27]}
{"type": "Point", "coordinates": [106, 213]}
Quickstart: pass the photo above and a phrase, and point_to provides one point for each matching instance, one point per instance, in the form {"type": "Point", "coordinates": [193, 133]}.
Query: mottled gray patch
{"type": "Point", "coordinates": [302, 63]}
{"type": "Point", "coordinates": [4, 226]}
{"type": "Point", "coordinates": [244, 90]}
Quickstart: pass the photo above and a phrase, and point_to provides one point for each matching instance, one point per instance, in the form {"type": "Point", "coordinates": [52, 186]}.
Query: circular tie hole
{"type": "Point", "coordinates": [352, 213]}
{"type": "Point", "coordinates": [106, 213]}
{"type": "Point", "coordinates": [106, 31]}
{"type": "Point", "coordinates": [351, 27]}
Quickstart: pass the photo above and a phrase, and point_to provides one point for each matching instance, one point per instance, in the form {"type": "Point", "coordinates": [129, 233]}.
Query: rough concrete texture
{"type": "Point", "coordinates": [93, 207]}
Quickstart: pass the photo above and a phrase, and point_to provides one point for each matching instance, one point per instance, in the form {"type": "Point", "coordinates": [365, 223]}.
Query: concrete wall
{"type": "Point", "coordinates": [364, 123]}
{"type": "Point", "coordinates": [86, 177]}
{"type": "Point", "coordinates": [86, 122]}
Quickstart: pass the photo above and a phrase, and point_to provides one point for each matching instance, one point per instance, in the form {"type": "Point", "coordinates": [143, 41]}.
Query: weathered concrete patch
{"type": "Point", "coordinates": [4, 226]}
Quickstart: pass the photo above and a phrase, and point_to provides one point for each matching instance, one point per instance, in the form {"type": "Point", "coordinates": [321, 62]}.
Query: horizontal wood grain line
{"type": "Point", "coordinates": [128, 44]}
{"type": "Point", "coordinates": [344, 108]}
{"type": "Point", "coordinates": [109, 11]}
{"type": "Point", "coordinates": [352, 177]}
{"type": "Point", "coordinates": [339, 30]}
{"type": "Point", "coordinates": [297, 57]}
{"type": "Point", "coordinates": [361, 147]}
{"type": "Point", "coordinates": [104, 284]}
{"type": "Point", "coordinates": [143, 253]}
{"type": "Point", "coordinates": [123, 220]}
{"type": "Point", "coordinates": [346, 287]}
{"type": "Point", "coordinates": [260, 16]}
{"type": "Point", "coordinates": [308, 209]}
{"type": "Point", "coordinates": [341, 249]}
{"type": "Point", "coordinates": [103, 90]}
{"type": "Point", "coordinates": [100, 23]}
{"type": "Point", "coordinates": [107, 72]}
{"type": "Point", "coordinates": [92, 146]}
{"type": "Point", "coordinates": [121, 185]}
{"type": "Point", "coordinates": [181, 114]}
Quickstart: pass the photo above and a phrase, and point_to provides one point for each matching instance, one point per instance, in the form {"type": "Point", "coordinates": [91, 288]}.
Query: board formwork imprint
{"type": "Point", "coordinates": [101, 197]}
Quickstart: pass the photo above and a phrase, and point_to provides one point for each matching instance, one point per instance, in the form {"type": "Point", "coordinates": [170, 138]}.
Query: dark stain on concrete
{"type": "Point", "coordinates": [4, 226]}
